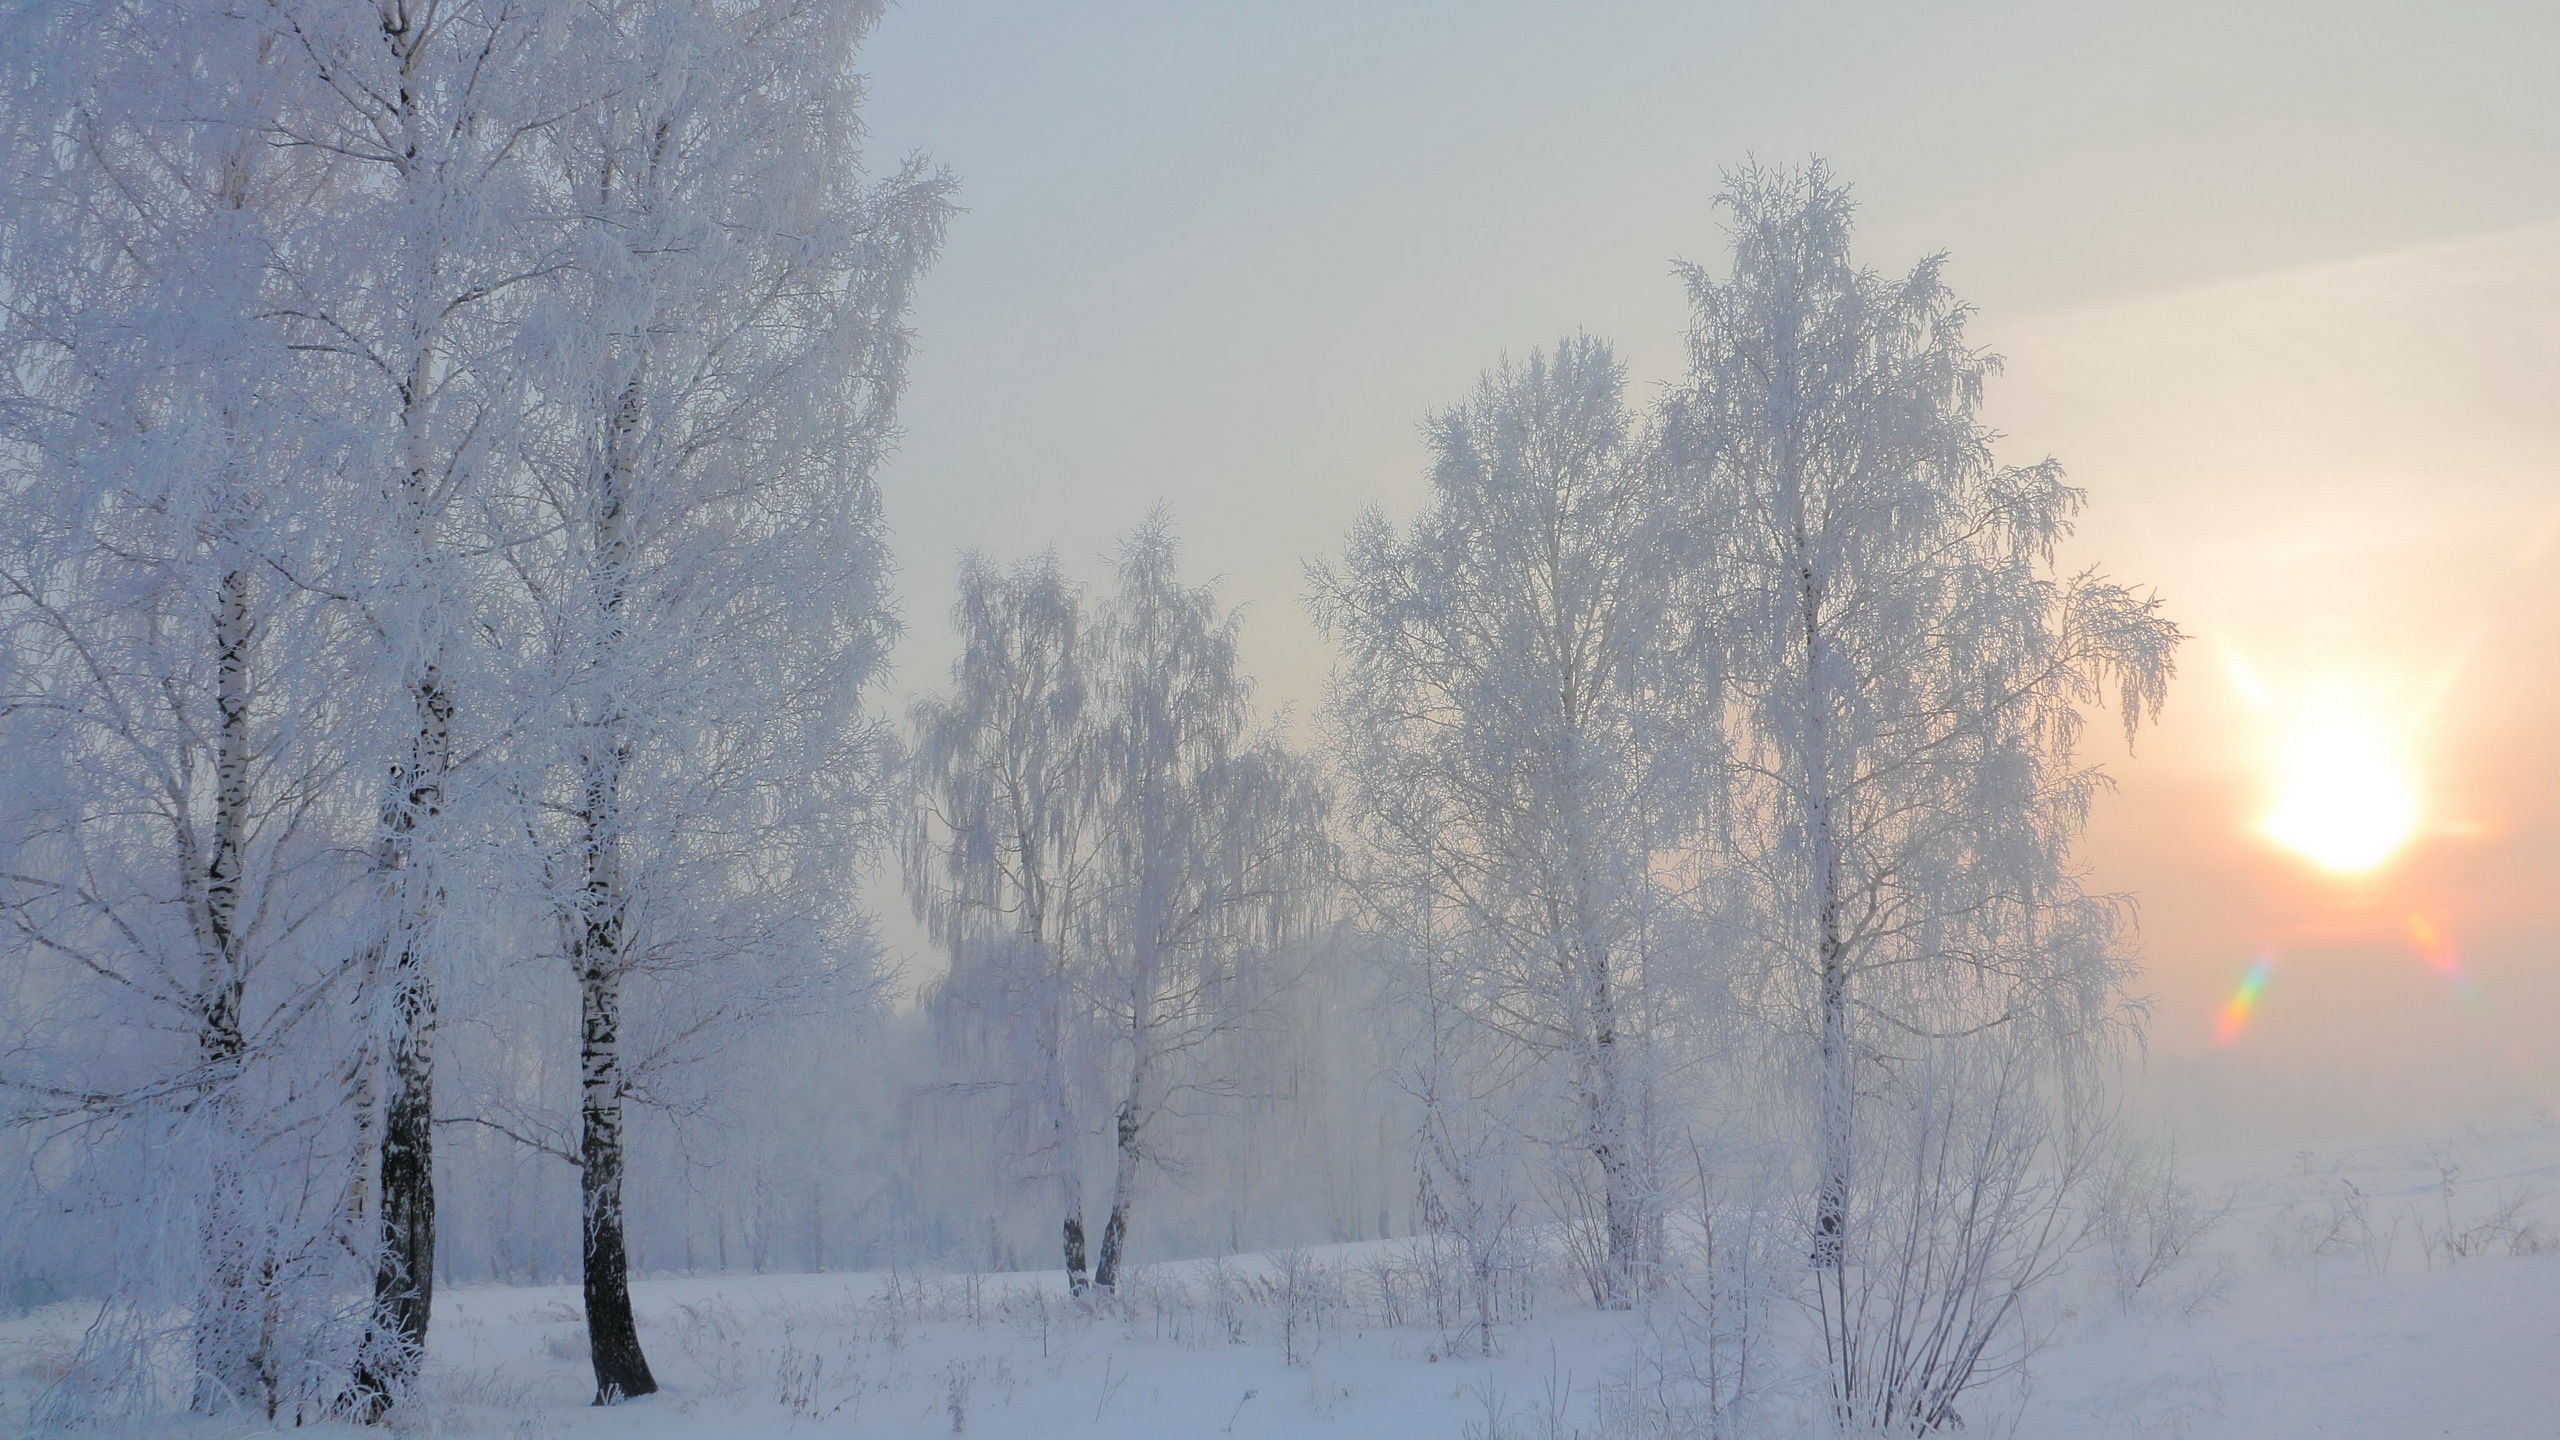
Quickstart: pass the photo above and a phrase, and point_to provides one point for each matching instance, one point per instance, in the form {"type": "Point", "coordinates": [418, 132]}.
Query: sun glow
{"type": "Point", "coordinates": [2345, 799]}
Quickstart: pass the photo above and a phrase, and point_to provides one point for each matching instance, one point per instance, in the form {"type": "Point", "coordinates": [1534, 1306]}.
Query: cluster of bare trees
{"type": "Point", "coordinates": [436, 443]}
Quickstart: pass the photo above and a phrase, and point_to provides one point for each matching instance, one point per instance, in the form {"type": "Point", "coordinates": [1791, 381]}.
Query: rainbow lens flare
{"type": "Point", "coordinates": [2244, 1001]}
{"type": "Point", "coordinates": [2437, 951]}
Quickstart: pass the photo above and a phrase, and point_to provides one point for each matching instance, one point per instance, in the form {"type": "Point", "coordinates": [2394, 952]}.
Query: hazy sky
{"type": "Point", "coordinates": [2279, 283]}
{"type": "Point", "coordinates": [2346, 480]}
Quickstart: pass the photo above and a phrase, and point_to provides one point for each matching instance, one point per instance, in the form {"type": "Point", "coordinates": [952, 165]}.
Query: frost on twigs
{"type": "Point", "coordinates": [2149, 1227]}
{"type": "Point", "coordinates": [1124, 869]}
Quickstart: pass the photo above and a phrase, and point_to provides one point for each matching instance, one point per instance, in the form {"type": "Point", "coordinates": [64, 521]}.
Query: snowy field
{"type": "Point", "coordinates": [2387, 1288]}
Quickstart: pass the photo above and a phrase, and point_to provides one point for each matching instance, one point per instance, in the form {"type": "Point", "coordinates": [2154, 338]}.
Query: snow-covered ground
{"type": "Point", "coordinates": [2386, 1289]}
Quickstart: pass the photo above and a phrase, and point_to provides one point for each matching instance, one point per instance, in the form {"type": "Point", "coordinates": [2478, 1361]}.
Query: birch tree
{"type": "Point", "coordinates": [404, 297]}
{"type": "Point", "coordinates": [1904, 672]}
{"type": "Point", "coordinates": [1499, 702]}
{"type": "Point", "coordinates": [1000, 855]}
{"type": "Point", "coordinates": [452, 421]}
{"type": "Point", "coordinates": [1211, 860]}
{"type": "Point", "coordinates": [173, 865]}
{"type": "Point", "coordinates": [1114, 860]}
{"type": "Point", "coordinates": [705, 579]}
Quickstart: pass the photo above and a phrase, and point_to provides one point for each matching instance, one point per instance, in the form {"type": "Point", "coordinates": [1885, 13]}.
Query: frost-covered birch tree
{"type": "Point", "coordinates": [1113, 857]}
{"type": "Point", "coordinates": [1211, 860]}
{"type": "Point", "coordinates": [438, 442]}
{"type": "Point", "coordinates": [404, 297]}
{"type": "Point", "coordinates": [703, 574]}
{"type": "Point", "coordinates": [1903, 678]}
{"type": "Point", "coordinates": [1501, 705]}
{"type": "Point", "coordinates": [999, 855]}
{"type": "Point", "coordinates": [175, 855]}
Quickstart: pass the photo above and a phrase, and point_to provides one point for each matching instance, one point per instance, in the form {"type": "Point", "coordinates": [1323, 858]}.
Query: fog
{"type": "Point", "coordinates": [1841, 711]}
{"type": "Point", "coordinates": [2276, 284]}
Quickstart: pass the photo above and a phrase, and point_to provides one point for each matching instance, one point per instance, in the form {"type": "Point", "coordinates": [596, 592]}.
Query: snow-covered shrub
{"type": "Point", "coordinates": [1155, 1299]}
{"type": "Point", "coordinates": [1474, 1289]}
{"type": "Point", "coordinates": [1236, 1296]}
{"type": "Point", "coordinates": [1962, 1208]}
{"type": "Point", "coordinates": [814, 1383]}
{"type": "Point", "coordinates": [1031, 1311]}
{"type": "Point", "coordinates": [2148, 1226]}
{"type": "Point", "coordinates": [900, 1302]}
{"type": "Point", "coordinates": [1708, 1361]}
{"type": "Point", "coordinates": [711, 1334]}
{"type": "Point", "coordinates": [1306, 1293]}
{"type": "Point", "coordinates": [1389, 1284]}
{"type": "Point", "coordinates": [2340, 1223]}
{"type": "Point", "coordinates": [1550, 1414]}
{"type": "Point", "coordinates": [2506, 1226]}
{"type": "Point", "coordinates": [969, 1293]}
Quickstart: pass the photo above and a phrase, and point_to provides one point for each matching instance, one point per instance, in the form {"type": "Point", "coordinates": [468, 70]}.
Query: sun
{"type": "Point", "coordinates": [2346, 796]}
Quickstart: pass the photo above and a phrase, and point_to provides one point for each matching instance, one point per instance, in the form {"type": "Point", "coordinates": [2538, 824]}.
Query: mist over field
{"type": "Point", "coordinates": [736, 717]}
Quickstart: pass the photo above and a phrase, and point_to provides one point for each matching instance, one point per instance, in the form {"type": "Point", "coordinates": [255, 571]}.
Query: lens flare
{"type": "Point", "coordinates": [2345, 799]}
{"type": "Point", "coordinates": [2437, 951]}
{"type": "Point", "coordinates": [2244, 1001]}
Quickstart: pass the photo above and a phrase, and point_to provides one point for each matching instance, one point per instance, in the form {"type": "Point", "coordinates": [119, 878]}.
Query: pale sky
{"type": "Point", "coordinates": [2278, 283]}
